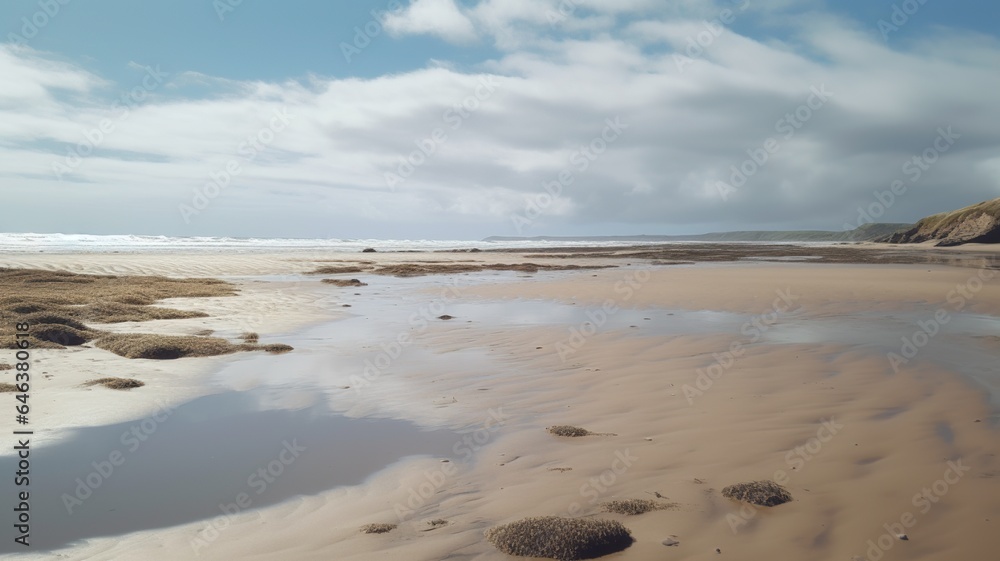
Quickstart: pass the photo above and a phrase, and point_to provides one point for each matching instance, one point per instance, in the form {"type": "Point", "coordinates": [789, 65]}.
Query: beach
{"type": "Point", "coordinates": [860, 378]}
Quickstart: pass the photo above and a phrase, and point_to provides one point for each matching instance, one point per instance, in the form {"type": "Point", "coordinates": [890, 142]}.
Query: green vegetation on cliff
{"type": "Point", "coordinates": [978, 223]}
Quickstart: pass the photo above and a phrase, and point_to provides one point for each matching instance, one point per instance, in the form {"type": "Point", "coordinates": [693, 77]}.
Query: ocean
{"type": "Point", "coordinates": [90, 243]}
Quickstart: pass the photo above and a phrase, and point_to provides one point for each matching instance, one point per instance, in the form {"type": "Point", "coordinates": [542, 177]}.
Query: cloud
{"type": "Point", "coordinates": [30, 76]}
{"type": "Point", "coordinates": [433, 17]}
{"type": "Point", "coordinates": [475, 146]}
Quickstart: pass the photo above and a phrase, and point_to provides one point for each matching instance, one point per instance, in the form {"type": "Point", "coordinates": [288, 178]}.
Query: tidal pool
{"type": "Point", "coordinates": [179, 466]}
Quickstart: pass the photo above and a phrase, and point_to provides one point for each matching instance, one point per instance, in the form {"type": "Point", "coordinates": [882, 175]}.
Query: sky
{"type": "Point", "coordinates": [461, 119]}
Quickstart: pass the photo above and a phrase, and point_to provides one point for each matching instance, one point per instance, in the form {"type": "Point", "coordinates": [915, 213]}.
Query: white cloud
{"type": "Point", "coordinates": [433, 17]}
{"type": "Point", "coordinates": [31, 76]}
{"type": "Point", "coordinates": [325, 174]}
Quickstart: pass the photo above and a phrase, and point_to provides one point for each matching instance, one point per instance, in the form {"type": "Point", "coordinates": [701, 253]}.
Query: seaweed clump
{"type": "Point", "coordinates": [563, 539]}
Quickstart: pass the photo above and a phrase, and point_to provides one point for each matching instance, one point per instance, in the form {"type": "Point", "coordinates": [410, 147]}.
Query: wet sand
{"type": "Point", "coordinates": [742, 371]}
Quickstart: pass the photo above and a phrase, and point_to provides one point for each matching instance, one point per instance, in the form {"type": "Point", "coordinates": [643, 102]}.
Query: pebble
{"type": "Point", "coordinates": [670, 542]}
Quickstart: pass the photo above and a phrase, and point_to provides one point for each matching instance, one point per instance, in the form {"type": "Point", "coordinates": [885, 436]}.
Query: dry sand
{"type": "Point", "coordinates": [879, 450]}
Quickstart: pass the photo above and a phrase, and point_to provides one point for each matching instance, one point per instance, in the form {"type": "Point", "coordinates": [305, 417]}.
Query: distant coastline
{"type": "Point", "coordinates": [867, 232]}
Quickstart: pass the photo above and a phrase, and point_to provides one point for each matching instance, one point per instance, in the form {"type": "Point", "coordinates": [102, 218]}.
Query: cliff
{"type": "Point", "coordinates": [979, 223]}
